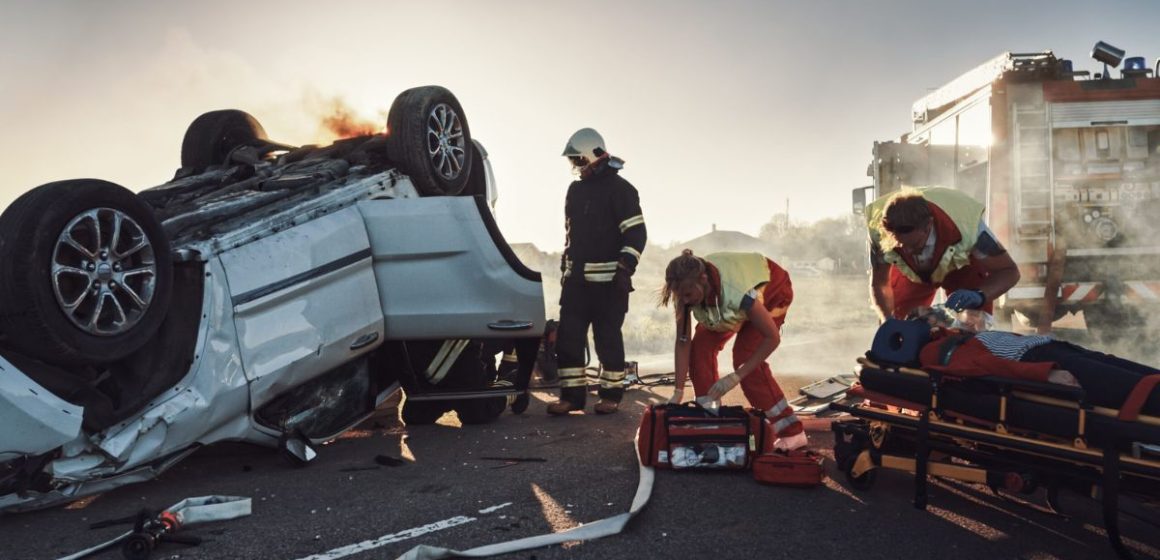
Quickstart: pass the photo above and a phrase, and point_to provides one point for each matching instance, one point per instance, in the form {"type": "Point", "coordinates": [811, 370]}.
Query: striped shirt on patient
{"type": "Point", "coordinates": [1009, 345]}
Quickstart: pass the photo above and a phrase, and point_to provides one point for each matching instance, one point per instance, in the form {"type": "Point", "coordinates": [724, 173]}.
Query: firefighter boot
{"type": "Point", "coordinates": [571, 398]}
{"type": "Point", "coordinates": [606, 406]}
{"type": "Point", "coordinates": [562, 407]}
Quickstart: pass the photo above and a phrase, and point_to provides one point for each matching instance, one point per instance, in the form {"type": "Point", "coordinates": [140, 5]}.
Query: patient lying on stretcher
{"type": "Point", "coordinates": [966, 348]}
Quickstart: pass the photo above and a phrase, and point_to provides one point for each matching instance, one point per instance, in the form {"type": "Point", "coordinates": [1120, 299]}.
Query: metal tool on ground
{"type": "Point", "coordinates": [150, 530]}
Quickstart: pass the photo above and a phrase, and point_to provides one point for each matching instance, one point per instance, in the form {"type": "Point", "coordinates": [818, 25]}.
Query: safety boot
{"type": "Point", "coordinates": [562, 408]}
{"type": "Point", "coordinates": [606, 406]}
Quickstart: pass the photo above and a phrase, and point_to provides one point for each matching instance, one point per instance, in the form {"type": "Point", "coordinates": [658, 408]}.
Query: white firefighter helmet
{"type": "Point", "coordinates": [585, 143]}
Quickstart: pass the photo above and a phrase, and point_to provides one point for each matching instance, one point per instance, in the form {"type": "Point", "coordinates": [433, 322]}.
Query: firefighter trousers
{"type": "Point", "coordinates": [601, 306]}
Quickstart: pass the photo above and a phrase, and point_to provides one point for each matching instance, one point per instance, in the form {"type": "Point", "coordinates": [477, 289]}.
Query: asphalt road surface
{"type": "Point", "coordinates": [455, 489]}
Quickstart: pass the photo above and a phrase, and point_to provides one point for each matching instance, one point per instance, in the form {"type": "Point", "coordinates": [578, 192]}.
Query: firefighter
{"type": "Point", "coordinates": [742, 294]}
{"type": "Point", "coordinates": [924, 239]}
{"type": "Point", "coordinates": [605, 235]}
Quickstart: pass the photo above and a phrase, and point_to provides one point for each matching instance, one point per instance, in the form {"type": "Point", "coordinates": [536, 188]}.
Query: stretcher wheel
{"type": "Point", "coordinates": [863, 482]}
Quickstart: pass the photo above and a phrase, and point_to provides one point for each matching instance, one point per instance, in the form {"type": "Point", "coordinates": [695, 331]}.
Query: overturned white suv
{"type": "Point", "coordinates": [268, 294]}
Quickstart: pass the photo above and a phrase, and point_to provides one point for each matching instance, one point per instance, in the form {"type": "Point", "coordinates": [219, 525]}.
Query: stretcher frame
{"type": "Point", "coordinates": [889, 432]}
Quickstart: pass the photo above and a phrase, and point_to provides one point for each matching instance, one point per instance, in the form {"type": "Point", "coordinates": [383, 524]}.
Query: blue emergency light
{"type": "Point", "coordinates": [1134, 63]}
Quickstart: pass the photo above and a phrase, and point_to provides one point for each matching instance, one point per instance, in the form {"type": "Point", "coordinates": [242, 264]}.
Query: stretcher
{"type": "Point", "coordinates": [1013, 436]}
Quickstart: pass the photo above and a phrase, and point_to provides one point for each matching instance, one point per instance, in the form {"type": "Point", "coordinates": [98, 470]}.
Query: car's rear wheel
{"type": "Point", "coordinates": [211, 137]}
{"type": "Point", "coordinates": [86, 275]}
{"type": "Point", "coordinates": [430, 140]}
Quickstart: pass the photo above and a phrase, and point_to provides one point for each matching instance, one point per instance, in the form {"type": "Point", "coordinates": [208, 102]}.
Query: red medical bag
{"type": "Point", "coordinates": [800, 467]}
{"type": "Point", "coordinates": [673, 436]}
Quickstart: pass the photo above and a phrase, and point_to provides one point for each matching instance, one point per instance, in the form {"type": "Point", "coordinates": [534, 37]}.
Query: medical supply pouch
{"type": "Point", "coordinates": [689, 436]}
{"type": "Point", "coordinates": [800, 467]}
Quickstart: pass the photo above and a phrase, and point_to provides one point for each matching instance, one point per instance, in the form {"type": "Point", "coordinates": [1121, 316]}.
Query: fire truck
{"type": "Point", "coordinates": [1068, 165]}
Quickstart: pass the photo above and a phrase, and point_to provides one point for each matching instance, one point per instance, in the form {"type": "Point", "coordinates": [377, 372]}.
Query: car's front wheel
{"type": "Point", "coordinates": [86, 274]}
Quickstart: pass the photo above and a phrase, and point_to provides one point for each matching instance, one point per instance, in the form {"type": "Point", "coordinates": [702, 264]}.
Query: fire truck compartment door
{"type": "Point", "coordinates": [1105, 113]}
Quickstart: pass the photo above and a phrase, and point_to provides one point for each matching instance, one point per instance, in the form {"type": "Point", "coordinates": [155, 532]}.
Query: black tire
{"type": "Point", "coordinates": [430, 140]}
{"type": "Point", "coordinates": [423, 413]}
{"type": "Point", "coordinates": [211, 137]}
{"type": "Point", "coordinates": [35, 319]}
{"type": "Point", "coordinates": [477, 180]}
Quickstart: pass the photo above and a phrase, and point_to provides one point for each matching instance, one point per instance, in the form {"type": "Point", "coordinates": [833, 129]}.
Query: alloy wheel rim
{"type": "Point", "coordinates": [446, 143]}
{"type": "Point", "coordinates": [104, 272]}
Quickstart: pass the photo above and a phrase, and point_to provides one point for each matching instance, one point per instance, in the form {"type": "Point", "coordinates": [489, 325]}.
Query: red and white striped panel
{"type": "Point", "coordinates": [1087, 292]}
{"type": "Point", "coordinates": [1080, 292]}
{"type": "Point", "coordinates": [1143, 290]}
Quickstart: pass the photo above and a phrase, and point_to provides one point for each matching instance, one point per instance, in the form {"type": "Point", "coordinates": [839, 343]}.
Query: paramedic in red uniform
{"type": "Point", "coordinates": [924, 239]}
{"type": "Point", "coordinates": [605, 237]}
{"type": "Point", "coordinates": [742, 294]}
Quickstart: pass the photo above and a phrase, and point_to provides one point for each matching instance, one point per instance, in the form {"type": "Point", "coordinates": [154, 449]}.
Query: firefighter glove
{"type": "Point", "coordinates": [723, 386]}
{"type": "Point", "coordinates": [965, 299]}
{"type": "Point", "coordinates": [622, 280]}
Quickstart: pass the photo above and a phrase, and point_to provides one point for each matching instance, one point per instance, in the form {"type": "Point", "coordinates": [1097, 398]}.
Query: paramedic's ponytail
{"type": "Point", "coordinates": [684, 268]}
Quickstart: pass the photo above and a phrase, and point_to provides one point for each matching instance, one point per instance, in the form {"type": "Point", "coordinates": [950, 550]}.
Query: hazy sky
{"type": "Point", "coordinates": [723, 110]}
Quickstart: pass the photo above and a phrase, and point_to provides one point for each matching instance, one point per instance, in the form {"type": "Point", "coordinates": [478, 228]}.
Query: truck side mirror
{"type": "Point", "coordinates": [862, 196]}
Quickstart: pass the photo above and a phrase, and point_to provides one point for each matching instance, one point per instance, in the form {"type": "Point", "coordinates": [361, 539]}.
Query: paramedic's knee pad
{"type": "Point", "coordinates": [899, 342]}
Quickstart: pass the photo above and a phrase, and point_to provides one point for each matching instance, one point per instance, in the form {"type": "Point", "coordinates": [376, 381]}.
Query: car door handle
{"type": "Point", "coordinates": [364, 340]}
{"type": "Point", "coordinates": [510, 325]}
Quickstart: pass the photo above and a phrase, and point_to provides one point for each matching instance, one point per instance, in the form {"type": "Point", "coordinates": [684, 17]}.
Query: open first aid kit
{"type": "Point", "coordinates": [684, 436]}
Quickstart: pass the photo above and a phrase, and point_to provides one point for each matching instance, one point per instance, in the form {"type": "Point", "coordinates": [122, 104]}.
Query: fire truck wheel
{"type": "Point", "coordinates": [430, 140]}
{"type": "Point", "coordinates": [87, 274]}
{"type": "Point", "coordinates": [423, 413]}
{"type": "Point", "coordinates": [211, 137]}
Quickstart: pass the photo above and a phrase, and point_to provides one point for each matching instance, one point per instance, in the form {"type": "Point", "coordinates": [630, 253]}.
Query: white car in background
{"type": "Point", "coordinates": [268, 294]}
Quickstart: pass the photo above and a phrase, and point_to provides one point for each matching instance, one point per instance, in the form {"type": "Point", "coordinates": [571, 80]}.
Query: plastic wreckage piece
{"type": "Point", "coordinates": [153, 528]}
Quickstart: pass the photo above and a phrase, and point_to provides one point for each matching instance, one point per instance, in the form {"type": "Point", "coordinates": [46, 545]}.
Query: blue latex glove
{"type": "Point", "coordinates": [965, 299]}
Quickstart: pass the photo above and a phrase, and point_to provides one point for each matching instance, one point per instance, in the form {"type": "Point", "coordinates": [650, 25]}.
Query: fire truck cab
{"type": "Point", "coordinates": [1068, 166]}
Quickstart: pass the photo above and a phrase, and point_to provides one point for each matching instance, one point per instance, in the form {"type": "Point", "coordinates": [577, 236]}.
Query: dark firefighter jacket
{"type": "Point", "coordinates": [604, 224]}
